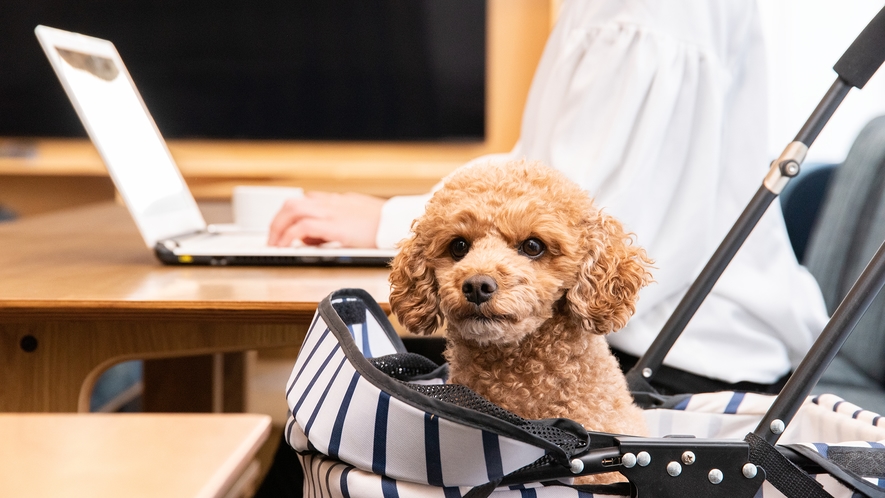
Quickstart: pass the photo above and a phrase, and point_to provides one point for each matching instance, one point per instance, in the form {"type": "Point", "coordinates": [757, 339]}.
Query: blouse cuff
{"type": "Point", "coordinates": [397, 215]}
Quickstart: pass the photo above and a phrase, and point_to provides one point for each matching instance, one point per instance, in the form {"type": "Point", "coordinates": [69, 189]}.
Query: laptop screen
{"type": "Point", "coordinates": [124, 133]}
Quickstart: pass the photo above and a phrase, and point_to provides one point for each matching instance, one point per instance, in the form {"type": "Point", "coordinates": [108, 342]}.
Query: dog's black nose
{"type": "Point", "coordinates": [479, 288]}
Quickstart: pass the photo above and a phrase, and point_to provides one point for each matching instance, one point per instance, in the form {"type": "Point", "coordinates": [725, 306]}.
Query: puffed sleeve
{"type": "Point", "coordinates": [659, 110]}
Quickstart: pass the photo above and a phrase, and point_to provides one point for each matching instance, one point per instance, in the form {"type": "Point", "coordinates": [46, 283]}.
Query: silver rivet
{"type": "Point", "coordinates": [628, 460]}
{"type": "Point", "coordinates": [643, 459]}
{"type": "Point", "coordinates": [791, 168]}
{"type": "Point", "coordinates": [577, 466]}
{"type": "Point", "coordinates": [715, 476]}
{"type": "Point", "coordinates": [688, 458]}
{"type": "Point", "coordinates": [749, 470]}
{"type": "Point", "coordinates": [674, 469]}
{"type": "Point", "coordinates": [646, 372]}
{"type": "Point", "coordinates": [777, 426]}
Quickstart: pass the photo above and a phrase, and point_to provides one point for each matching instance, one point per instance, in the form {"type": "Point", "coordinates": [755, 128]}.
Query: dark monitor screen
{"type": "Point", "coordinates": [277, 69]}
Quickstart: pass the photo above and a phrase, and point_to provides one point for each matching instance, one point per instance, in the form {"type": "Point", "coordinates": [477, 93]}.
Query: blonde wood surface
{"type": "Point", "coordinates": [28, 195]}
{"type": "Point", "coordinates": [516, 33]}
{"type": "Point", "coordinates": [82, 285]}
{"type": "Point", "coordinates": [132, 455]}
{"type": "Point", "coordinates": [257, 159]}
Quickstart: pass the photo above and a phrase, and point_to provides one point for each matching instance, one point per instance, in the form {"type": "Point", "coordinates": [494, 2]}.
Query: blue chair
{"type": "Point", "coordinates": [801, 201]}
{"type": "Point", "coordinates": [119, 388]}
{"type": "Point", "coordinates": [6, 214]}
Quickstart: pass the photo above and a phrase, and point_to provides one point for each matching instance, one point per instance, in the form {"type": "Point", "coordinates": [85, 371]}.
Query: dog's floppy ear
{"type": "Point", "coordinates": [611, 274]}
{"type": "Point", "coordinates": [414, 296]}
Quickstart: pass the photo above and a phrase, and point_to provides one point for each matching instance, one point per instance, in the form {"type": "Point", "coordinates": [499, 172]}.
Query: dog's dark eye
{"type": "Point", "coordinates": [532, 248]}
{"type": "Point", "coordinates": [458, 248]}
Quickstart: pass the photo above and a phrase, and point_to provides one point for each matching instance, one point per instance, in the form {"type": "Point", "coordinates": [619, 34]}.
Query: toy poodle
{"type": "Point", "coordinates": [528, 277]}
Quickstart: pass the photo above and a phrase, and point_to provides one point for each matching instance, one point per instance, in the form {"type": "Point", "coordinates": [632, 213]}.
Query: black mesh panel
{"type": "Point", "coordinates": [466, 398]}
{"type": "Point", "coordinates": [408, 365]}
{"type": "Point", "coordinates": [404, 366]}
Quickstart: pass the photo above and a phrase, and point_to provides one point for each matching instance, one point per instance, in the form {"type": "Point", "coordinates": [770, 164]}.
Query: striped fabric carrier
{"type": "Point", "coordinates": [369, 419]}
{"type": "Point", "coordinates": [834, 425]}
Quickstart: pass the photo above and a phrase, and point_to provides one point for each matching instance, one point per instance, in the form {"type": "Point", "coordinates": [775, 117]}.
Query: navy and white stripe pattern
{"type": "Point", "coordinates": [325, 477]}
{"type": "Point", "coordinates": [839, 405]}
{"type": "Point", "coordinates": [731, 415]}
{"type": "Point", "coordinates": [356, 440]}
{"type": "Point", "coordinates": [825, 418]}
{"type": "Point", "coordinates": [338, 412]}
{"type": "Point", "coordinates": [370, 338]}
{"type": "Point", "coordinates": [720, 415]}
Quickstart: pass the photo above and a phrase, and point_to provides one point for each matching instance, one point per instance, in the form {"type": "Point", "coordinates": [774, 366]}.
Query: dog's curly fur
{"type": "Point", "coordinates": [536, 346]}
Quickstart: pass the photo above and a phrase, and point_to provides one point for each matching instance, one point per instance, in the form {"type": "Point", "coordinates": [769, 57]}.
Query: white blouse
{"type": "Point", "coordinates": [658, 109]}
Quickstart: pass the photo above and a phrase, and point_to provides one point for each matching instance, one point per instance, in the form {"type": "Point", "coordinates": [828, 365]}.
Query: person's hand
{"type": "Point", "coordinates": [319, 217]}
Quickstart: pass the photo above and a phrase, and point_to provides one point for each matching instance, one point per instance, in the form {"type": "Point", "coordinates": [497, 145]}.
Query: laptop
{"type": "Point", "coordinates": [147, 178]}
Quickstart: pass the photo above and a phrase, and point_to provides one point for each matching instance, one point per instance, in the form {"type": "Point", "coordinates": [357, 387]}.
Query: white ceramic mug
{"type": "Point", "coordinates": [254, 207]}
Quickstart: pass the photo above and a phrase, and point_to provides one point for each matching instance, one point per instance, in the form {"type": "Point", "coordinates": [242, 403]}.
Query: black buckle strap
{"type": "Point", "coordinates": [783, 474]}
{"type": "Point", "coordinates": [849, 465]}
{"type": "Point", "coordinates": [483, 490]}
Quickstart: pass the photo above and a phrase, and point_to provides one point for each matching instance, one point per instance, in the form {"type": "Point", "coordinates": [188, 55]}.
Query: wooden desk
{"type": "Point", "coordinates": [79, 291]}
{"type": "Point", "coordinates": [52, 174]}
{"type": "Point", "coordinates": [101, 455]}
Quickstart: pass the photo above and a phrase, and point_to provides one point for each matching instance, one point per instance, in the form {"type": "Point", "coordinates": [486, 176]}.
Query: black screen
{"type": "Point", "coordinates": [281, 69]}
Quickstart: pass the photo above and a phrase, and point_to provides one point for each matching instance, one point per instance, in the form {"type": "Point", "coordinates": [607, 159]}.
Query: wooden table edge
{"type": "Point", "coordinates": [226, 476]}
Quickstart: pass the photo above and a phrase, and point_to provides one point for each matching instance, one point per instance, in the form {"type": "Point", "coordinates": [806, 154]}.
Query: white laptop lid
{"type": "Point", "coordinates": [111, 109]}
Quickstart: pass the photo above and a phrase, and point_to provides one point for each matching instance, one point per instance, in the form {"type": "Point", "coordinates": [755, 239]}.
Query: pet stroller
{"type": "Point", "coordinates": [370, 419]}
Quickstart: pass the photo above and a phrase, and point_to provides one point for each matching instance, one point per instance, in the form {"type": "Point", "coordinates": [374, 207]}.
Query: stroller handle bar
{"type": "Point", "coordinates": [858, 64]}
{"type": "Point", "coordinates": [854, 68]}
{"type": "Point", "coordinates": [824, 349]}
